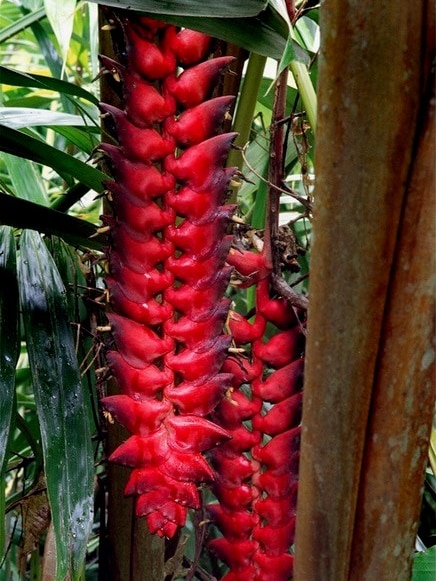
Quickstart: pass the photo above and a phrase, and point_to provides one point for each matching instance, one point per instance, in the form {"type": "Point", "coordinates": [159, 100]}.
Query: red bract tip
{"type": "Point", "coordinates": [276, 511]}
{"type": "Point", "coordinates": [200, 206]}
{"type": "Point", "coordinates": [144, 382]}
{"type": "Point", "coordinates": [138, 417]}
{"type": "Point", "coordinates": [244, 332]}
{"type": "Point", "coordinates": [145, 145]}
{"type": "Point", "coordinates": [191, 433]}
{"type": "Point", "coordinates": [201, 363]}
{"type": "Point", "coordinates": [146, 58]}
{"type": "Point", "coordinates": [140, 451]}
{"type": "Point", "coordinates": [140, 286]}
{"type": "Point", "coordinates": [190, 46]}
{"type": "Point", "coordinates": [147, 312]}
{"type": "Point", "coordinates": [234, 470]}
{"type": "Point", "coordinates": [273, 568]}
{"type": "Point", "coordinates": [250, 265]}
{"type": "Point", "coordinates": [144, 480]}
{"type": "Point", "coordinates": [138, 344]}
{"type": "Point", "coordinates": [196, 83]}
{"type": "Point", "coordinates": [199, 398]}
{"type": "Point", "coordinates": [198, 165]}
{"type": "Point", "coordinates": [282, 383]}
{"type": "Point", "coordinates": [281, 417]}
{"type": "Point", "coordinates": [140, 181]}
{"type": "Point", "coordinates": [198, 304]}
{"type": "Point", "coordinates": [187, 467]}
{"type": "Point", "coordinates": [200, 240]}
{"type": "Point", "coordinates": [237, 555]}
{"type": "Point", "coordinates": [144, 104]}
{"type": "Point", "coordinates": [282, 348]}
{"type": "Point", "coordinates": [192, 333]}
{"type": "Point", "coordinates": [280, 452]}
{"type": "Point", "coordinates": [235, 525]}
{"type": "Point", "coordinates": [140, 255]}
{"type": "Point", "coordinates": [199, 123]}
{"type": "Point", "coordinates": [236, 497]}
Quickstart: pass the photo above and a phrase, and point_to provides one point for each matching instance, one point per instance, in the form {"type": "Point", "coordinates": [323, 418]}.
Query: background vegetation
{"type": "Point", "coordinates": [51, 261]}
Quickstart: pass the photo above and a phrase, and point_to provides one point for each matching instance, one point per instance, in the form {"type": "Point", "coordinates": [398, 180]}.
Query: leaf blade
{"type": "Point", "coordinates": [60, 403]}
{"type": "Point", "coordinates": [9, 351]}
{"type": "Point", "coordinates": [22, 145]}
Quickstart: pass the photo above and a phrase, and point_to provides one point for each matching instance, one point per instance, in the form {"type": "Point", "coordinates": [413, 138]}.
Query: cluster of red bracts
{"type": "Point", "coordinates": [257, 470]}
{"type": "Point", "coordinates": [167, 263]}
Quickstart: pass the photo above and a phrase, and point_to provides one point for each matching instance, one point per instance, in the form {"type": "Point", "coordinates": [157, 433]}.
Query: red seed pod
{"type": "Point", "coordinates": [195, 84]}
{"type": "Point", "coordinates": [190, 46]}
{"type": "Point", "coordinates": [199, 165]}
{"type": "Point", "coordinates": [137, 143]}
{"type": "Point", "coordinates": [138, 344]}
{"type": "Point", "coordinates": [146, 58]}
{"type": "Point", "coordinates": [199, 123]}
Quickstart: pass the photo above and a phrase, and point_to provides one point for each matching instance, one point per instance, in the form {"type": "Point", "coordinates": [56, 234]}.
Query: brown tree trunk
{"type": "Point", "coordinates": [367, 408]}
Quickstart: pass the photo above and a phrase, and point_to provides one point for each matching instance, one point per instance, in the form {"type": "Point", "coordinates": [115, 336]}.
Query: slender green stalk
{"type": "Point", "coordinates": [306, 90]}
{"type": "Point", "coordinates": [246, 105]}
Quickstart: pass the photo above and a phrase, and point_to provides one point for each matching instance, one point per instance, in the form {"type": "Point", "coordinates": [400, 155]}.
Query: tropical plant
{"type": "Point", "coordinates": [200, 364]}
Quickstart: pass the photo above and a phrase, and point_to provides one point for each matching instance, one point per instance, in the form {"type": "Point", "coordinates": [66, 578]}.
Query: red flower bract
{"type": "Point", "coordinates": [167, 265]}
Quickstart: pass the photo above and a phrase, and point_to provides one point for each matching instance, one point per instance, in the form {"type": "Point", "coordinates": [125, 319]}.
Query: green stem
{"type": "Point", "coordinates": [306, 90]}
{"type": "Point", "coordinates": [246, 105]}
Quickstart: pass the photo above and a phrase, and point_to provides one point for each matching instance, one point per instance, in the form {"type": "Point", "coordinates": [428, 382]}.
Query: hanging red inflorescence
{"type": "Point", "coordinates": [167, 265]}
{"type": "Point", "coordinates": [257, 469]}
